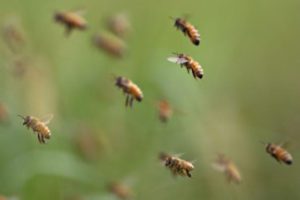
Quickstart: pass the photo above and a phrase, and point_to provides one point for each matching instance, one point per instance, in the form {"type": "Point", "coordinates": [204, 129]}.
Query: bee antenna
{"type": "Point", "coordinates": [21, 116]}
{"type": "Point", "coordinates": [172, 18]}
{"type": "Point", "coordinates": [114, 76]}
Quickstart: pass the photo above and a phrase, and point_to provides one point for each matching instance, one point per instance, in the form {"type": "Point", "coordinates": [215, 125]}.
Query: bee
{"type": "Point", "coordinates": [189, 63]}
{"type": "Point", "coordinates": [38, 126]}
{"type": "Point", "coordinates": [227, 166]}
{"type": "Point", "coordinates": [14, 36]}
{"type": "Point", "coordinates": [177, 165]}
{"type": "Point", "coordinates": [279, 153]}
{"type": "Point", "coordinates": [120, 190]}
{"type": "Point", "coordinates": [71, 20]}
{"type": "Point", "coordinates": [110, 45]}
{"type": "Point", "coordinates": [119, 25]}
{"type": "Point", "coordinates": [3, 113]}
{"type": "Point", "coordinates": [164, 110]}
{"type": "Point", "coordinates": [188, 29]}
{"type": "Point", "coordinates": [130, 89]}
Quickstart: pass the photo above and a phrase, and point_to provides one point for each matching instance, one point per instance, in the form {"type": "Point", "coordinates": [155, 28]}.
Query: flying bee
{"type": "Point", "coordinates": [189, 63]}
{"type": "Point", "coordinates": [164, 110]}
{"type": "Point", "coordinates": [188, 30]}
{"type": "Point", "coordinates": [111, 45]}
{"type": "Point", "coordinates": [130, 89]}
{"type": "Point", "coordinates": [119, 25]}
{"type": "Point", "coordinates": [38, 126]}
{"type": "Point", "coordinates": [279, 153]}
{"type": "Point", "coordinates": [227, 166]}
{"type": "Point", "coordinates": [72, 20]}
{"type": "Point", "coordinates": [121, 190]}
{"type": "Point", "coordinates": [177, 165]}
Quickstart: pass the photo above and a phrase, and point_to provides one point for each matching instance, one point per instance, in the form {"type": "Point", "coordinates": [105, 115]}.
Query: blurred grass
{"type": "Point", "coordinates": [249, 93]}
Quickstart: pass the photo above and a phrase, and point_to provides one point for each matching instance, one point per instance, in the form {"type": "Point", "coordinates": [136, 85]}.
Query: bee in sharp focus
{"type": "Point", "coordinates": [189, 63]}
{"type": "Point", "coordinates": [227, 166]}
{"type": "Point", "coordinates": [72, 20]}
{"type": "Point", "coordinates": [111, 45]}
{"type": "Point", "coordinates": [38, 126]}
{"type": "Point", "coordinates": [164, 110]}
{"type": "Point", "coordinates": [279, 153]}
{"type": "Point", "coordinates": [130, 89]}
{"type": "Point", "coordinates": [188, 30]}
{"type": "Point", "coordinates": [177, 165]}
{"type": "Point", "coordinates": [121, 190]}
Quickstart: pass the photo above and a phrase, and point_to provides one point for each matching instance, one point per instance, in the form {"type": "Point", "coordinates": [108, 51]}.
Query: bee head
{"type": "Point", "coordinates": [26, 119]}
{"type": "Point", "coordinates": [119, 81]}
{"type": "Point", "coordinates": [178, 22]}
{"type": "Point", "coordinates": [58, 16]}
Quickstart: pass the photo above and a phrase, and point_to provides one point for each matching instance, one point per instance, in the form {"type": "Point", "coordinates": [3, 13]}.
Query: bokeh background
{"type": "Point", "coordinates": [249, 93]}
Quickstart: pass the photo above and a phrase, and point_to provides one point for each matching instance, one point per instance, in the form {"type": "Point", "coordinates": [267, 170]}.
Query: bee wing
{"type": "Point", "coordinates": [177, 60]}
{"type": "Point", "coordinates": [46, 119]}
{"type": "Point", "coordinates": [218, 166]}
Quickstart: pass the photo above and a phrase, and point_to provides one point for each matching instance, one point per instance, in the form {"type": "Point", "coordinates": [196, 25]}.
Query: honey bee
{"type": "Point", "coordinates": [3, 113]}
{"type": "Point", "coordinates": [13, 35]}
{"type": "Point", "coordinates": [189, 63]}
{"type": "Point", "coordinates": [110, 45]}
{"type": "Point", "coordinates": [188, 29]}
{"type": "Point", "coordinates": [71, 20]}
{"type": "Point", "coordinates": [38, 126]}
{"type": "Point", "coordinates": [226, 166]}
{"type": "Point", "coordinates": [119, 25]}
{"type": "Point", "coordinates": [164, 110]}
{"type": "Point", "coordinates": [120, 190]}
{"type": "Point", "coordinates": [177, 165]}
{"type": "Point", "coordinates": [279, 153]}
{"type": "Point", "coordinates": [130, 89]}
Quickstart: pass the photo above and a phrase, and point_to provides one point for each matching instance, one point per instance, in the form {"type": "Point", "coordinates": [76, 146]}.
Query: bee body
{"type": "Point", "coordinates": [165, 111]}
{"type": "Point", "coordinates": [189, 63]}
{"type": "Point", "coordinates": [130, 89]}
{"type": "Point", "coordinates": [110, 45]}
{"type": "Point", "coordinates": [177, 165]}
{"type": "Point", "coordinates": [188, 30]}
{"type": "Point", "coordinates": [71, 20]}
{"type": "Point", "coordinates": [279, 153]}
{"type": "Point", "coordinates": [229, 168]}
{"type": "Point", "coordinates": [37, 126]}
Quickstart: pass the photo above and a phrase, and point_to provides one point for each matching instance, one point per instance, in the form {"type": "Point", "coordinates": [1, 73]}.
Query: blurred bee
{"type": "Point", "coordinates": [38, 126]}
{"type": "Point", "coordinates": [226, 166]}
{"type": "Point", "coordinates": [129, 88]}
{"type": "Point", "coordinates": [279, 153]}
{"type": "Point", "coordinates": [13, 35]}
{"type": "Point", "coordinates": [164, 110]}
{"type": "Point", "coordinates": [189, 63]}
{"type": "Point", "coordinates": [110, 45]}
{"type": "Point", "coordinates": [119, 25]}
{"type": "Point", "coordinates": [121, 190]}
{"type": "Point", "coordinates": [72, 20]}
{"type": "Point", "coordinates": [188, 29]}
{"type": "Point", "coordinates": [3, 113]}
{"type": "Point", "coordinates": [177, 165]}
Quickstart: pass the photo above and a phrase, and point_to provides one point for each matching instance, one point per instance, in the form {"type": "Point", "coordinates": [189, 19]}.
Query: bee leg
{"type": "Point", "coordinates": [188, 173]}
{"type": "Point", "coordinates": [194, 74]}
{"type": "Point", "coordinates": [39, 138]}
{"type": "Point", "coordinates": [131, 101]}
{"type": "Point", "coordinates": [127, 100]}
{"type": "Point", "coordinates": [68, 30]}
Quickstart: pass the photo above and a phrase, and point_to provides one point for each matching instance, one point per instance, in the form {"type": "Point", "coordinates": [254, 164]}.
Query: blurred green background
{"type": "Point", "coordinates": [249, 93]}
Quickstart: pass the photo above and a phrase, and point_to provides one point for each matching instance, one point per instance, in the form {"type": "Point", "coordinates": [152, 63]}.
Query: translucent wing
{"type": "Point", "coordinates": [46, 119]}
{"type": "Point", "coordinates": [218, 166]}
{"type": "Point", "coordinates": [177, 60]}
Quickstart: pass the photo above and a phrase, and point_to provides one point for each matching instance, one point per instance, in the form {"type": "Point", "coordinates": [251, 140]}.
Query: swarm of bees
{"type": "Point", "coordinates": [38, 126]}
{"type": "Point", "coordinates": [72, 20]}
{"type": "Point", "coordinates": [130, 89]}
{"type": "Point", "coordinates": [188, 30]}
{"type": "Point", "coordinates": [189, 63]}
{"type": "Point", "coordinates": [177, 165]}
{"type": "Point", "coordinates": [227, 166]}
{"type": "Point", "coordinates": [121, 190]}
{"type": "Point", "coordinates": [279, 153]}
{"type": "Point", "coordinates": [164, 110]}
